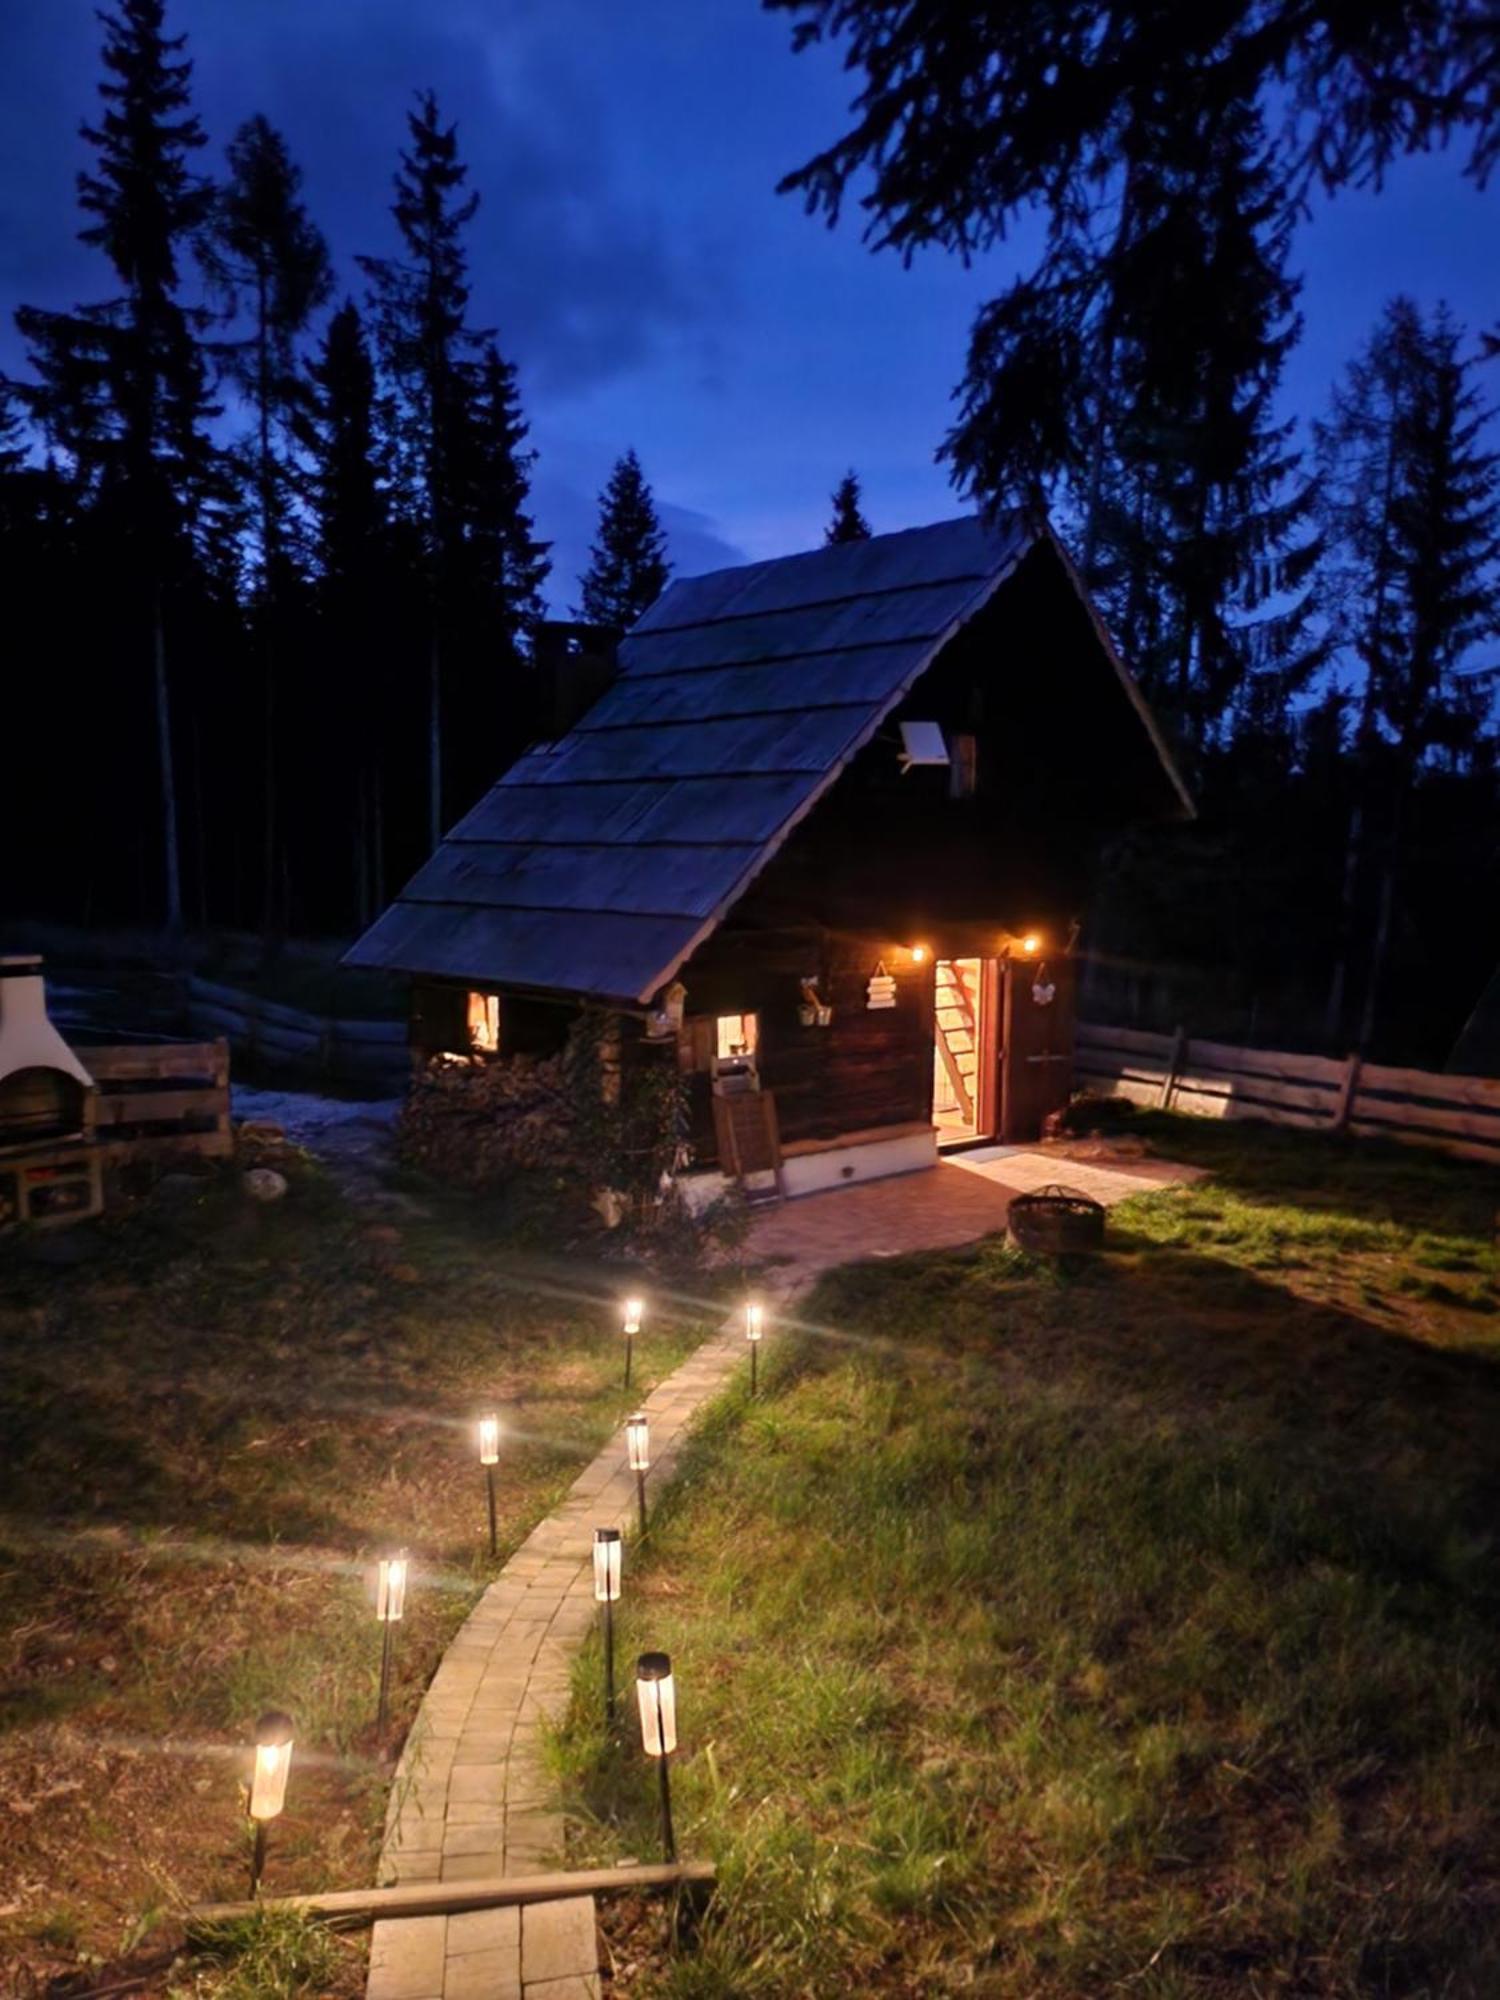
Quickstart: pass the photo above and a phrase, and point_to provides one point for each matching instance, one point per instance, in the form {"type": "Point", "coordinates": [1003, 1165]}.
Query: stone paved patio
{"type": "Point", "coordinates": [471, 1796]}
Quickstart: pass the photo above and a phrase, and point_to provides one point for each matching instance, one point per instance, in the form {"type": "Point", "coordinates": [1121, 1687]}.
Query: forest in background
{"type": "Point", "coordinates": [274, 580]}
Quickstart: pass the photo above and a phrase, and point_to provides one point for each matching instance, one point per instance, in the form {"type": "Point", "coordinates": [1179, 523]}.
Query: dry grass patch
{"type": "Point", "coordinates": [214, 1420]}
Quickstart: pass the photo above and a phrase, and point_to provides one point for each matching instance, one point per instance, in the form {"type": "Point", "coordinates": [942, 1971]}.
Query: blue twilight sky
{"type": "Point", "coordinates": [631, 251]}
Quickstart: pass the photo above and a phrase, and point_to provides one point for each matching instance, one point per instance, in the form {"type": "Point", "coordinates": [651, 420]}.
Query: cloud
{"type": "Point", "coordinates": [571, 262]}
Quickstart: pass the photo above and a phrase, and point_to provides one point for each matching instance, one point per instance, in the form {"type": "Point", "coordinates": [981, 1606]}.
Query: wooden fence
{"type": "Point", "coordinates": [160, 1099]}
{"type": "Point", "coordinates": [1457, 1114]}
{"type": "Point", "coordinates": [362, 1053]}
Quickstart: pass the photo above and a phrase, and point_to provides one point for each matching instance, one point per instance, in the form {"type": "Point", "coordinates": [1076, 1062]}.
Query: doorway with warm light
{"type": "Point", "coordinates": [963, 1051]}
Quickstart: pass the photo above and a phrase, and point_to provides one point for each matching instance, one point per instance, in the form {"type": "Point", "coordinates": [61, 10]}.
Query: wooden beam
{"type": "Point", "coordinates": [485, 1892]}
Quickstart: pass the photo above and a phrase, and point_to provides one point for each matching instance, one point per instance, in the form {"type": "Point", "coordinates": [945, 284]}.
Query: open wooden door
{"type": "Point", "coordinates": [1036, 1043]}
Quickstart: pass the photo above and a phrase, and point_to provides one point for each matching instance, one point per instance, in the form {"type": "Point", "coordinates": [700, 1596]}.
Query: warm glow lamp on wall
{"type": "Point", "coordinates": [657, 1697]}
{"type": "Point", "coordinates": [630, 1319]}
{"type": "Point", "coordinates": [273, 1759]}
{"type": "Point", "coordinates": [638, 1446]}
{"type": "Point", "coordinates": [390, 1607]}
{"type": "Point", "coordinates": [606, 1593]}
{"type": "Point", "coordinates": [489, 1458]}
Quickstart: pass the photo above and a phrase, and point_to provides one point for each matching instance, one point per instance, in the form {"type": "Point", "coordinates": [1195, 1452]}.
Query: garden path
{"type": "Point", "coordinates": [471, 1796]}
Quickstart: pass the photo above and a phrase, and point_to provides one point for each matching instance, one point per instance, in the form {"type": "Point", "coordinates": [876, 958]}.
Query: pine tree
{"type": "Point", "coordinates": [628, 567]}
{"type": "Point", "coordinates": [1154, 425]}
{"type": "Point", "coordinates": [121, 389]}
{"type": "Point", "coordinates": [848, 523]}
{"type": "Point", "coordinates": [1412, 509]}
{"type": "Point", "coordinates": [420, 307]}
{"type": "Point", "coordinates": [352, 564]}
{"type": "Point", "coordinates": [268, 262]}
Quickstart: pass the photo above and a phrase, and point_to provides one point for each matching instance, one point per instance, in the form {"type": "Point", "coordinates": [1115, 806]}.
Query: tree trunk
{"type": "Point", "coordinates": [172, 865]}
{"type": "Point", "coordinates": [434, 743]}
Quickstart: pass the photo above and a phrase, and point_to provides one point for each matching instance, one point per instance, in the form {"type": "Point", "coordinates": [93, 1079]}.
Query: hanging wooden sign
{"type": "Point", "coordinates": [881, 991]}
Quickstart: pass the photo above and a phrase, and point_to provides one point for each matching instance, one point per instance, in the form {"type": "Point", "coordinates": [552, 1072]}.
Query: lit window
{"type": "Point", "coordinates": [484, 1023]}
{"type": "Point", "coordinates": [737, 1036]}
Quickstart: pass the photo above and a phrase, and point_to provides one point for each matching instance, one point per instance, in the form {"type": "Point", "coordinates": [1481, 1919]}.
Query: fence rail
{"type": "Point", "coordinates": [1456, 1114]}
{"type": "Point", "coordinates": [160, 1099]}
{"type": "Point", "coordinates": [373, 1053]}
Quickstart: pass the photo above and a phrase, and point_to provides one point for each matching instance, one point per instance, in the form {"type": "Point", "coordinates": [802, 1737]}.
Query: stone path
{"type": "Point", "coordinates": [471, 1796]}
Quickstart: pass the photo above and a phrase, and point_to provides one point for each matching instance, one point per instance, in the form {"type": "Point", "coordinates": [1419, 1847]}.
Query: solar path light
{"type": "Point", "coordinates": [638, 1446]}
{"type": "Point", "coordinates": [630, 1315]}
{"type": "Point", "coordinates": [755, 1326]}
{"type": "Point", "coordinates": [273, 1759]}
{"type": "Point", "coordinates": [489, 1458]}
{"type": "Point", "coordinates": [606, 1592]}
{"type": "Point", "coordinates": [390, 1605]}
{"type": "Point", "coordinates": [658, 1705]}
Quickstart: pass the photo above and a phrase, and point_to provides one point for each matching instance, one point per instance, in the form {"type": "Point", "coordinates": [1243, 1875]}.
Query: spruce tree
{"type": "Point", "coordinates": [848, 523]}
{"type": "Point", "coordinates": [1135, 387]}
{"type": "Point", "coordinates": [1412, 509]}
{"type": "Point", "coordinates": [121, 390]}
{"type": "Point", "coordinates": [420, 305]}
{"type": "Point", "coordinates": [352, 566]}
{"type": "Point", "coordinates": [270, 266]}
{"type": "Point", "coordinates": [628, 567]}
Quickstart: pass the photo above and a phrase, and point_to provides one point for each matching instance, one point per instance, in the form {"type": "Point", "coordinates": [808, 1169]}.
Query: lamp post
{"type": "Point", "coordinates": [273, 1759]}
{"type": "Point", "coordinates": [657, 1698]}
{"type": "Point", "coordinates": [606, 1592]}
{"type": "Point", "coordinates": [638, 1446]}
{"type": "Point", "coordinates": [489, 1458]}
{"type": "Point", "coordinates": [755, 1326]}
{"type": "Point", "coordinates": [630, 1314]}
{"type": "Point", "coordinates": [390, 1604]}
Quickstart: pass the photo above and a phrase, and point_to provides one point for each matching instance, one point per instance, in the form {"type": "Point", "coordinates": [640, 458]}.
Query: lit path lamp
{"type": "Point", "coordinates": [606, 1592]}
{"type": "Point", "coordinates": [390, 1604]}
{"type": "Point", "coordinates": [489, 1458]}
{"type": "Point", "coordinates": [755, 1326]}
{"type": "Point", "coordinates": [638, 1445]}
{"type": "Point", "coordinates": [630, 1313]}
{"type": "Point", "coordinates": [658, 1703]}
{"type": "Point", "coordinates": [273, 1759]}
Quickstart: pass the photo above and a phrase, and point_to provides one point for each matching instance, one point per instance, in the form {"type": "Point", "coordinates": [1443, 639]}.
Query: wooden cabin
{"type": "Point", "coordinates": [829, 832]}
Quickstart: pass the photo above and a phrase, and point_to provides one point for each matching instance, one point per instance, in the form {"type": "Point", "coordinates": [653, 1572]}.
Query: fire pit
{"type": "Point", "coordinates": [1056, 1221]}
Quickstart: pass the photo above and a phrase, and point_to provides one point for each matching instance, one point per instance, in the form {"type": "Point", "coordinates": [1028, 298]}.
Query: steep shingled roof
{"type": "Point", "coordinates": [598, 864]}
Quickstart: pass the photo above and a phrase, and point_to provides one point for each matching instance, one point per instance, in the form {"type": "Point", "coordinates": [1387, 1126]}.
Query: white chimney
{"type": "Point", "coordinates": [28, 1039]}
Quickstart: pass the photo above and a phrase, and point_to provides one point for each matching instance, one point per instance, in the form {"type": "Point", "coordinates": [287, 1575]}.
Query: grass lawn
{"type": "Point", "coordinates": [212, 1422]}
{"type": "Point", "coordinates": [1134, 1629]}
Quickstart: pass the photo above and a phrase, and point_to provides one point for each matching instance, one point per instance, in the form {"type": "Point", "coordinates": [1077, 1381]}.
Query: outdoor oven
{"type": "Point", "coordinates": [49, 1165]}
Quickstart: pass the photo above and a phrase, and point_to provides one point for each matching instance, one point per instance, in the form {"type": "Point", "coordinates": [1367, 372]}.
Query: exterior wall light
{"type": "Point", "coordinates": [638, 1447]}
{"type": "Point", "coordinates": [755, 1326]}
{"type": "Point", "coordinates": [919, 954]}
{"type": "Point", "coordinates": [1031, 944]}
{"type": "Point", "coordinates": [390, 1607]}
{"type": "Point", "coordinates": [657, 1697]}
{"type": "Point", "coordinates": [273, 1759]}
{"type": "Point", "coordinates": [630, 1313]}
{"type": "Point", "coordinates": [489, 1458]}
{"type": "Point", "coordinates": [606, 1592]}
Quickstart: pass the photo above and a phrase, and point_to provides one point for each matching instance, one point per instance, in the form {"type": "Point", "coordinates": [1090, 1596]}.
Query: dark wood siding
{"type": "Point", "coordinates": [869, 1068]}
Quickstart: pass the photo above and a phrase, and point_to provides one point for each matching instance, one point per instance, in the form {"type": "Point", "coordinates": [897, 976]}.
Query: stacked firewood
{"type": "Point", "coordinates": [476, 1123]}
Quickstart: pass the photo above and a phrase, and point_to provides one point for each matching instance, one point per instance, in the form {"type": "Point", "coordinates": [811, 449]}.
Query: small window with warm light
{"type": "Point", "coordinates": [484, 1023]}
{"type": "Point", "coordinates": [737, 1035]}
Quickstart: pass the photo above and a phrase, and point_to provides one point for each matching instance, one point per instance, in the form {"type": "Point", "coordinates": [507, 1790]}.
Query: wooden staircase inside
{"type": "Point", "coordinates": [955, 1095]}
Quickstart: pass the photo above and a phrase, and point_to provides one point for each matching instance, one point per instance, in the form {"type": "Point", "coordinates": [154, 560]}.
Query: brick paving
{"type": "Point", "coordinates": [471, 1795]}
